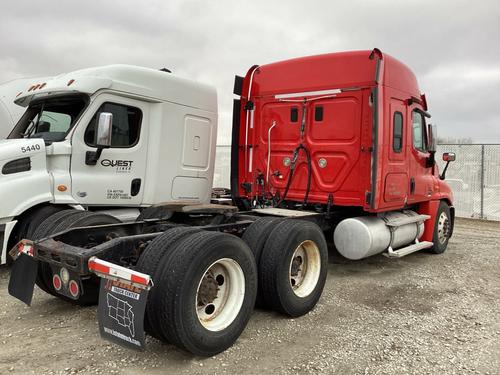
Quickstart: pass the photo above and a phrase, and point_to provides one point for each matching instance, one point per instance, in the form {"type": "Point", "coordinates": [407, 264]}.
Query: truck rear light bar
{"type": "Point", "coordinates": [113, 271]}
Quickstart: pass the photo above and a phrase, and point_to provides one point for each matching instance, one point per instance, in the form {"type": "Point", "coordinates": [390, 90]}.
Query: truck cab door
{"type": "Point", "coordinates": [396, 166]}
{"type": "Point", "coordinates": [118, 176]}
{"type": "Point", "coordinates": [421, 177]}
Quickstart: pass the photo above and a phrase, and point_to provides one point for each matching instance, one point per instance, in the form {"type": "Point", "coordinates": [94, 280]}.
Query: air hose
{"type": "Point", "coordinates": [292, 170]}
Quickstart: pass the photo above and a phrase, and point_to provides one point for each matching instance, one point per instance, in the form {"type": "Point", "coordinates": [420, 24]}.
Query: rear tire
{"type": "Point", "coordinates": [151, 263]}
{"type": "Point", "coordinates": [207, 292]}
{"type": "Point", "coordinates": [30, 222]}
{"type": "Point", "coordinates": [255, 237]}
{"type": "Point", "coordinates": [62, 222]}
{"type": "Point", "coordinates": [43, 230]}
{"type": "Point", "coordinates": [442, 229]}
{"type": "Point", "coordinates": [293, 267]}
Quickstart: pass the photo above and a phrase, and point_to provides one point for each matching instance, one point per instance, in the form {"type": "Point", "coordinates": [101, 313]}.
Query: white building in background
{"type": "Point", "coordinates": [10, 112]}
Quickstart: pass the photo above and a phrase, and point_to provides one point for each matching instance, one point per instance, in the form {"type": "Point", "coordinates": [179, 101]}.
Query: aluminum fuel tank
{"type": "Point", "coordinates": [360, 237]}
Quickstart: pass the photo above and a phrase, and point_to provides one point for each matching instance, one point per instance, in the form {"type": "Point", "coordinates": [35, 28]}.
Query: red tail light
{"type": "Point", "coordinates": [56, 282]}
{"type": "Point", "coordinates": [74, 289]}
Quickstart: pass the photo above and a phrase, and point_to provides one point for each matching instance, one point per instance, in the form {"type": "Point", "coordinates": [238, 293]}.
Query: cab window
{"type": "Point", "coordinates": [50, 119]}
{"type": "Point", "coordinates": [126, 125]}
{"type": "Point", "coordinates": [397, 129]}
{"type": "Point", "coordinates": [419, 131]}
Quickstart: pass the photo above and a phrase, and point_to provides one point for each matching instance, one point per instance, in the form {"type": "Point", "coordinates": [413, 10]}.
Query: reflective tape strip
{"type": "Point", "coordinates": [25, 247]}
{"type": "Point", "coordinates": [103, 268]}
{"type": "Point", "coordinates": [307, 93]}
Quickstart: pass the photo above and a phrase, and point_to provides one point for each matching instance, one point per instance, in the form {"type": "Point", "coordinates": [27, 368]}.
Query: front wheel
{"type": "Point", "coordinates": [442, 229]}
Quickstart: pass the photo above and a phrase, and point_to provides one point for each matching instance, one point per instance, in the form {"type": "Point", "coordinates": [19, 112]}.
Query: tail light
{"type": "Point", "coordinates": [56, 282]}
{"type": "Point", "coordinates": [73, 288]}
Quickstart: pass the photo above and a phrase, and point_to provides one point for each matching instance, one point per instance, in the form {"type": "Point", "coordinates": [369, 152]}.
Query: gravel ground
{"type": "Point", "coordinates": [419, 314]}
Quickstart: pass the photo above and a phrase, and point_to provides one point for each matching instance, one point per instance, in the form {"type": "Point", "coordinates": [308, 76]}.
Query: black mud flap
{"type": "Point", "coordinates": [121, 313]}
{"type": "Point", "coordinates": [22, 278]}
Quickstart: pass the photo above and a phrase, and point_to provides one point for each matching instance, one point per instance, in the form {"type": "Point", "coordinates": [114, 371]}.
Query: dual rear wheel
{"type": "Point", "coordinates": [206, 282]}
{"type": "Point", "coordinates": [205, 289]}
{"type": "Point", "coordinates": [292, 259]}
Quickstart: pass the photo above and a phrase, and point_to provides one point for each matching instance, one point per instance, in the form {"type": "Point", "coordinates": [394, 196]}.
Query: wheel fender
{"type": "Point", "coordinates": [429, 208]}
{"type": "Point", "coordinates": [6, 235]}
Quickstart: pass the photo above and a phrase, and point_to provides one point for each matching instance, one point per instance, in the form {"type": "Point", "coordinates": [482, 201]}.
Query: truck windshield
{"type": "Point", "coordinates": [50, 119]}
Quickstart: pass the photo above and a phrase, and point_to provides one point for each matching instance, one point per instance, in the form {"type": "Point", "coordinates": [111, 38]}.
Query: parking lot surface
{"type": "Point", "coordinates": [420, 314]}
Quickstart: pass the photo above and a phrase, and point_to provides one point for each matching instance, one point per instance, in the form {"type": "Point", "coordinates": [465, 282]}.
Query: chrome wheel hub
{"type": "Point", "coordinates": [443, 228]}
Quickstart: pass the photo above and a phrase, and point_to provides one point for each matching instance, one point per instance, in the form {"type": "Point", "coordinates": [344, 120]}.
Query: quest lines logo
{"type": "Point", "coordinates": [120, 165]}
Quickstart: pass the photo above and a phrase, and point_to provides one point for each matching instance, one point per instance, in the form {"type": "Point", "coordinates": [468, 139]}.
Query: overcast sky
{"type": "Point", "coordinates": [452, 46]}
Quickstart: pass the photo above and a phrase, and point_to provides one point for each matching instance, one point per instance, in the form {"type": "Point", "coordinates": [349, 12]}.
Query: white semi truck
{"type": "Point", "coordinates": [163, 135]}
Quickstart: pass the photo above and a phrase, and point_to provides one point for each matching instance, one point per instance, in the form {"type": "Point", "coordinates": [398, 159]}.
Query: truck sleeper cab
{"type": "Point", "coordinates": [347, 135]}
{"type": "Point", "coordinates": [343, 147]}
{"type": "Point", "coordinates": [162, 150]}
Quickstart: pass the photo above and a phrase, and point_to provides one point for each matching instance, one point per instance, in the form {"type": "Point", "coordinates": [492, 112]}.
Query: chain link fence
{"type": "Point", "coordinates": [474, 177]}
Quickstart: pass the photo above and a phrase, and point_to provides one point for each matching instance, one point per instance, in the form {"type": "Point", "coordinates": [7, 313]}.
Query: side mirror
{"type": "Point", "coordinates": [447, 157]}
{"type": "Point", "coordinates": [432, 138]}
{"type": "Point", "coordinates": [104, 129]}
{"type": "Point", "coordinates": [103, 139]}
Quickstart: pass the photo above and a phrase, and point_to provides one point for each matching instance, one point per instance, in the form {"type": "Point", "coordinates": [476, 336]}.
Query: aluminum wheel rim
{"type": "Point", "coordinates": [443, 227]}
{"type": "Point", "coordinates": [305, 268]}
{"type": "Point", "coordinates": [220, 294]}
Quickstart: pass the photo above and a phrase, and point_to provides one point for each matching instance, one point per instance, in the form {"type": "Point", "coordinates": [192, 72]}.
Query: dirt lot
{"type": "Point", "coordinates": [419, 314]}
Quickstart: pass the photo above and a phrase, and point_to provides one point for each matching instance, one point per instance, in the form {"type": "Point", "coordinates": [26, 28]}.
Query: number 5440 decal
{"type": "Point", "coordinates": [31, 148]}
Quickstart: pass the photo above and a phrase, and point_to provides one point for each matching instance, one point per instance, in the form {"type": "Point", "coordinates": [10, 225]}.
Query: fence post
{"type": "Point", "coordinates": [482, 182]}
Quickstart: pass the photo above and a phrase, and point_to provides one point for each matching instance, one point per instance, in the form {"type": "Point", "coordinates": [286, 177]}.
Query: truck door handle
{"type": "Point", "coordinates": [135, 187]}
{"type": "Point", "coordinates": [412, 185]}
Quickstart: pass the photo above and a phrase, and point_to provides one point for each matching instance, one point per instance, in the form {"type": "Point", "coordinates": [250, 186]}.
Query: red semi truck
{"type": "Point", "coordinates": [336, 143]}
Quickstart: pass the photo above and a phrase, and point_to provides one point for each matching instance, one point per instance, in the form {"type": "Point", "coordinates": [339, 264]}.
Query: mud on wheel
{"type": "Point", "coordinates": [293, 267]}
{"type": "Point", "coordinates": [206, 292]}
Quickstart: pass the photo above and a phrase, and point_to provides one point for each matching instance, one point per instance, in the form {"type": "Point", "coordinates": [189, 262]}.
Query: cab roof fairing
{"type": "Point", "coordinates": [139, 81]}
{"type": "Point", "coordinates": [331, 71]}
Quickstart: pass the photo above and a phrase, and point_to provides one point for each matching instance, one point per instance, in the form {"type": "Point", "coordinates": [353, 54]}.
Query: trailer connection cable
{"type": "Point", "coordinates": [292, 170]}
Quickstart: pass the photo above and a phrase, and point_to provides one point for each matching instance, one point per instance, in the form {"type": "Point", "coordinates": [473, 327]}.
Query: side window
{"type": "Point", "coordinates": [397, 129]}
{"type": "Point", "coordinates": [54, 122]}
{"type": "Point", "coordinates": [318, 113]}
{"type": "Point", "coordinates": [418, 131]}
{"type": "Point", "coordinates": [126, 125]}
{"type": "Point", "coordinates": [294, 114]}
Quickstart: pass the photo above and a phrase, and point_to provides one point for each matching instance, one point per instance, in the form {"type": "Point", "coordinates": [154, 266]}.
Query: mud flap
{"type": "Point", "coordinates": [121, 313]}
{"type": "Point", "coordinates": [22, 278]}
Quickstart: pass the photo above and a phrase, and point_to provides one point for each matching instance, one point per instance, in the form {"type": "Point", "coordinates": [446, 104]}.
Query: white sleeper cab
{"type": "Point", "coordinates": [110, 139]}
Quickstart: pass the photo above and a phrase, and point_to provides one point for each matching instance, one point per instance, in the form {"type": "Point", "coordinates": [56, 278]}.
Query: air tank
{"type": "Point", "coordinates": [360, 237]}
